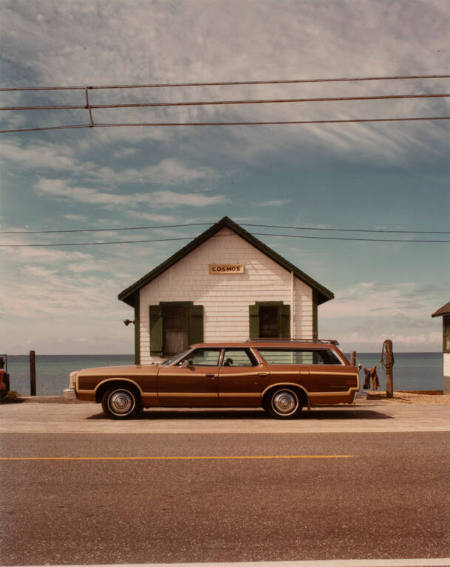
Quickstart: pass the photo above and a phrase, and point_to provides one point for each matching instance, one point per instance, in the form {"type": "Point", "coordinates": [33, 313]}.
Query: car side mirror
{"type": "Point", "coordinates": [187, 363]}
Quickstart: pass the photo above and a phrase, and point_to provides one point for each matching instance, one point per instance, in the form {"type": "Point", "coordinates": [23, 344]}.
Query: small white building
{"type": "Point", "coordinates": [225, 285]}
{"type": "Point", "coordinates": [444, 312]}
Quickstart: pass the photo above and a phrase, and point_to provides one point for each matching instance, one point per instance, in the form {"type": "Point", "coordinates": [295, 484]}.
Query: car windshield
{"type": "Point", "coordinates": [174, 358]}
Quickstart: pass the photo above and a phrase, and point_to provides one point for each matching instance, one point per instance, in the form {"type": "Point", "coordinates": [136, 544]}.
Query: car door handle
{"type": "Point", "coordinates": [262, 374]}
{"type": "Point", "coordinates": [210, 375]}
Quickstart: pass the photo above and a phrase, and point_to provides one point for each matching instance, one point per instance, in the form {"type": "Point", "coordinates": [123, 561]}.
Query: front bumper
{"type": "Point", "coordinates": [69, 394]}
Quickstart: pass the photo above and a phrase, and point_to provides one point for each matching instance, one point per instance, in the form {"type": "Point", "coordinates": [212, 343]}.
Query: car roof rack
{"type": "Point", "coordinates": [293, 340]}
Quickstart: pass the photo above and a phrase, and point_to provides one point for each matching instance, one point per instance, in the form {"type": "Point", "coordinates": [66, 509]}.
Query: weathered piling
{"type": "Point", "coordinates": [32, 373]}
{"type": "Point", "coordinates": [387, 361]}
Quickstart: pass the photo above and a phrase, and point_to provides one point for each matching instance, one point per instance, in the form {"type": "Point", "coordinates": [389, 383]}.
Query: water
{"type": "Point", "coordinates": [52, 371]}
{"type": "Point", "coordinates": [412, 371]}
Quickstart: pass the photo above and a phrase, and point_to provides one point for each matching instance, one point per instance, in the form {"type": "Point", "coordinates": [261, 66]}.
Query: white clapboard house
{"type": "Point", "coordinates": [225, 285]}
{"type": "Point", "coordinates": [444, 312]}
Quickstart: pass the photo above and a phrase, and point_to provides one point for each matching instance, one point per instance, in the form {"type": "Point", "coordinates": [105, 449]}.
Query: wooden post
{"type": "Point", "coordinates": [389, 364]}
{"type": "Point", "coordinates": [353, 360]}
{"type": "Point", "coordinates": [32, 373]}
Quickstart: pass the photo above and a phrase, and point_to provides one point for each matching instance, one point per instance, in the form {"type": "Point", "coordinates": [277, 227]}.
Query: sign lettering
{"type": "Point", "coordinates": [217, 269]}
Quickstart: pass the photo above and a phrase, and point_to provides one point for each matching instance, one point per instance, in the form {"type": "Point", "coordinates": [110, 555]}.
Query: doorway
{"type": "Point", "coordinates": [176, 328]}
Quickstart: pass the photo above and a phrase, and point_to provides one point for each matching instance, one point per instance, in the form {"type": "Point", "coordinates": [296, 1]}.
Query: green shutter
{"type": "Point", "coordinates": [195, 324]}
{"type": "Point", "coordinates": [156, 330]}
{"type": "Point", "coordinates": [285, 327]}
{"type": "Point", "coordinates": [253, 317]}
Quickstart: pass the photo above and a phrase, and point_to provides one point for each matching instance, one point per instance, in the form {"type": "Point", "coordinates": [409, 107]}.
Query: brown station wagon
{"type": "Point", "coordinates": [281, 376]}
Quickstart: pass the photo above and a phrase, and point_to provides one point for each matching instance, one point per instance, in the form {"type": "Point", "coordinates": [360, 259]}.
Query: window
{"type": "Point", "coordinates": [204, 357]}
{"type": "Point", "coordinates": [299, 356]}
{"type": "Point", "coordinates": [174, 326]}
{"type": "Point", "coordinates": [238, 358]}
{"type": "Point", "coordinates": [269, 320]}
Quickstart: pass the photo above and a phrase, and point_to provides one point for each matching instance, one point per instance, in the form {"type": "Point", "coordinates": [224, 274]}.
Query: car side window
{"type": "Point", "coordinates": [299, 356]}
{"type": "Point", "coordinates": [238, 357]}
{"type": "Point", "coordinates": [325, 357]}
{"type": "Point", "coordinates": [204, 357]}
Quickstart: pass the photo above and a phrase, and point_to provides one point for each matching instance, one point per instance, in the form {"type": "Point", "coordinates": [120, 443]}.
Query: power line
{"type": "Point", "coordinates": [192, 237]}
{"type": "Point", "coordinates": [350, 229]}
{"type": "Point", "coordinates": [346, 238]}
{"type": "Point", "coordinates": [253, 123]}
{"type": "Point", "coordinates": [153, 227]}
{"type": "Point", "coordinates": [229, 83]}
{"type": "Point", "coordinates": [222, 102]}
{"type": "Point", "coordinates": [104, 229]}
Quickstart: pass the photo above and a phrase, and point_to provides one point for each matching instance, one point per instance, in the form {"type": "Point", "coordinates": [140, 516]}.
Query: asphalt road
{"type": "Point", "coordinates": [81, 498]}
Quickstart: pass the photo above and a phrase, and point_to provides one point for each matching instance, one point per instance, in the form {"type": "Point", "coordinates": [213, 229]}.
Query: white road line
{"type": "Point", "coordinates": [426, 562]}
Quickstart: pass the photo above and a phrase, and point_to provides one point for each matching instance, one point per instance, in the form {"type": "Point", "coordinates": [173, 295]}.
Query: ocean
{"type": "Point", "coordinates": [412, 371]}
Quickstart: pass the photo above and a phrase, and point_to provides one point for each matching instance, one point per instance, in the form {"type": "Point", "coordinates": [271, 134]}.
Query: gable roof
{"type": "Point", "coordinates": [130, 294]}
{"type": "Point", "coordinates": [444, 310]}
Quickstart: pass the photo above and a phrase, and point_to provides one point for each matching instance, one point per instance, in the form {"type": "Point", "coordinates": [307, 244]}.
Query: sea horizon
{"type": "Point", "coordinates": [412, 370]}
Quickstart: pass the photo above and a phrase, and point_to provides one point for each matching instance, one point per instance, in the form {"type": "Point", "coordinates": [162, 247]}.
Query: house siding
{"type": "Point", "coordinates": [447, 364]}
{"type": "Point", "coordinates": [226, 297]}
{"type": "Point", "coordinates": [446, 373]}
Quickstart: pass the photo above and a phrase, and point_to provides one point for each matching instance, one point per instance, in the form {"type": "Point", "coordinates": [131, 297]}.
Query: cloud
{"type": "Point", "coordinates": [274, 203]}
{"type": "Point", "coordinates": [76, 218]}
{"type": "Point", "coordinates": [125, 152]}
{"type": "Point", "coordinates": [375, 299]}
{"type": "Point", "coordinates": [42, 155]}
{"type": "Point", "coordinates": [157, 199]}
{"type": "Point", "coordinates": [362, 316]}
{"type": "Point", "coordinates": [47, 156]}
{"type": "Point", "coordinates": [152, 217]}
{"type": "Point", "coordinates": [129, 49]}
{"type": "Point", "coordinates": [169, 171]}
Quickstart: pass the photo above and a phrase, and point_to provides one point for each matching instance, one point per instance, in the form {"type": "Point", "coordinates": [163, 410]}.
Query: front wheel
{"type": "Point", "coordinates": [284, 403]}
{"type": "Point", "coordinates": [121, 402]}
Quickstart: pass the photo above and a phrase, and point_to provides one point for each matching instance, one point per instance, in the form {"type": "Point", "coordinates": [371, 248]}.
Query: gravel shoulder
{"type": "Point", "coordinates": [412, 398]}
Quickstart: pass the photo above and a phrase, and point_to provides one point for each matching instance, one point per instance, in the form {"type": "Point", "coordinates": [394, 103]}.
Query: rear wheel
{"type": "Point", "coordinates": [284, 403]}
{"type": "Point", "coordinates": [121, 402]}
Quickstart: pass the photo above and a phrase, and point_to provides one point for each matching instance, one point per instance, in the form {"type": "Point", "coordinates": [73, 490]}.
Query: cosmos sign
{"type": "Point", "coordinates": [220, 269]}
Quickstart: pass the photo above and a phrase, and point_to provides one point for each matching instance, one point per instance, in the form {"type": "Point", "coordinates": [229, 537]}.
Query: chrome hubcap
{"type": "Point", "coordinates": [285, 402]}
{"type": "Point", "coordinates": [121, 402]}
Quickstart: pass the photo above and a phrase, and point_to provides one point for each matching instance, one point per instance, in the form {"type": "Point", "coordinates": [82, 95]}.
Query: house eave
{"type": "Point", "coordinates": [131, 293]}
{"type": "Point", "coordinates": [444, 310]}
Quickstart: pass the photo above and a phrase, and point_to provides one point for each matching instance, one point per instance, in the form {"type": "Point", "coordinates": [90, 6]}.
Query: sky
{"type": "Point", "coordinates": [394, 175]}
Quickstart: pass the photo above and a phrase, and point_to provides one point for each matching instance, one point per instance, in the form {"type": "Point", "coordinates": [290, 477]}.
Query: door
{"type": "Point", "coordinates": [176, 329]}
{"type": "Point", "coordinates": [193, 382]}
{"type": "Point", "coordinates": [241, 379]}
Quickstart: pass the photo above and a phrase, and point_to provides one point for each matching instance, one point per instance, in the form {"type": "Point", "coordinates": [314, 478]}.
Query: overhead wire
{"type": "Point", "coordinates": [153, 227]}
{"type": "Point", "coordinates": [242, 123]}
{"type": "Point", "coordinates": [222, 102]}
{"type": "Point", "coordinates": [91, 107]}
{"type": "Point", "coordinates": [228, 83]}
{"type": "Point", "coordinates": [193, 237]}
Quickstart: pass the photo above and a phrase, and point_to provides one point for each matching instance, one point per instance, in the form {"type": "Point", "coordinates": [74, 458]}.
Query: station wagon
{"type": "Point", "coordinates": [280, 376]}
